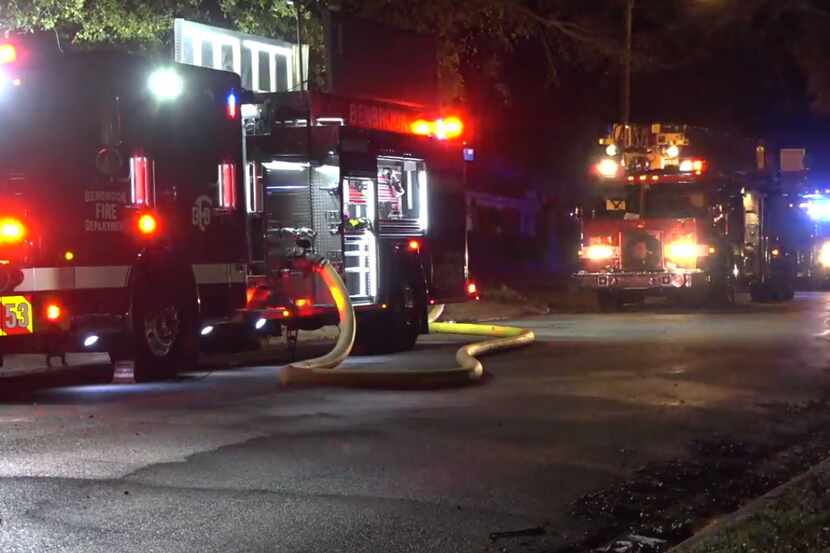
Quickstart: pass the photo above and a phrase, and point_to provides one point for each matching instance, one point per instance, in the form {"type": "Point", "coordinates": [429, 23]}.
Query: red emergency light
{"type": "Point", "coordinates": [421, 127]}
{"type": "Point", "coordinates": [443, 129]}
{"type": "Point", "coordinates": [8, 53]}
{"type": "Point", "coordinates": [12, 231]}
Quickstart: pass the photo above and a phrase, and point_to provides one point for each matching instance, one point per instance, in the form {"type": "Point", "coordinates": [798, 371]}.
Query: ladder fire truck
{"type": "Point", "coordinates": [150, 210]}
{"type": "Point", "coordinates": [687, 213]}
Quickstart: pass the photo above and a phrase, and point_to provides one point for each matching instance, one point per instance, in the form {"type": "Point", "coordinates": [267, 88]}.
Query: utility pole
{"type": "Point", "coordinates": [298, 16]}
{"type": "Point", "coordinates": [626, 96]}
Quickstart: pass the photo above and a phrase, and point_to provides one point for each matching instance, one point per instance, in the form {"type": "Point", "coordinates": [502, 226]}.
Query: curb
{"type": "Point", "coordinates": [734, 520]}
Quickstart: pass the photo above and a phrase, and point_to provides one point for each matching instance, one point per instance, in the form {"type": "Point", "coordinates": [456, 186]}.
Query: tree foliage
{"type": "Point", "coordinates": [480, 34]}
{"type": "Point", "coordinates": [480, 30]}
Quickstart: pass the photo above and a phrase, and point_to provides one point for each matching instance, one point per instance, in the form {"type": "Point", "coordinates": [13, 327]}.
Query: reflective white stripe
{"type": "Point", "coordinates": [43, 279]}
{"type": "Point", "coordinates": [219, 273]}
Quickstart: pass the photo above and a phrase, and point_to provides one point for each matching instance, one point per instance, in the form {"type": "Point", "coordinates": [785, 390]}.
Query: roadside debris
{"type": "Point", "coordinates": [664, 503]}
{"type": "Point", "coordinates": [634, 543]}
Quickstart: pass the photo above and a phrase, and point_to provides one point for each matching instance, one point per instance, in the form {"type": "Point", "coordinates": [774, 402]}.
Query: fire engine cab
{"type": "Point", "coordinates": [687, 213]}
{"type": "Point", "coordinates": [148, 209]}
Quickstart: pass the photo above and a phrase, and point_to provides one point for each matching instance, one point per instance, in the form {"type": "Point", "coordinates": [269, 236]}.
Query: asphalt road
{"type": "Point", "coordinates": [228, 461]}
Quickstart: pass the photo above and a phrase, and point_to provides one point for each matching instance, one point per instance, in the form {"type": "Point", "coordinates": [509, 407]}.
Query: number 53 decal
{"type": "Point", "coordinates": [15, 316]}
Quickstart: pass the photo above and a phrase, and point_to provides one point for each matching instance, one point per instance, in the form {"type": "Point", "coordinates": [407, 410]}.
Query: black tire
{"type": "Point", "coordinates": [395, 329]}
{"type": "Point", "coordinates": [773, 292]}
{"type": "Point", "coordinates": [722, 293]}
{"type": "Point", "coordinates": [608, 302]}
{"type": "Point", "coordinates": [759, 293]}
{"type": "Point", "coordinates": [690, 298]}
{"type": "Point", "coordinates": [165, 330]}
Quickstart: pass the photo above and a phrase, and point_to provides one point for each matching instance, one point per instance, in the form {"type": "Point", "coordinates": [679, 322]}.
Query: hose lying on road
{"type": "Point", "coordinates": [502, 337]}
{"type": "Point", "coordinates": [322, 370]}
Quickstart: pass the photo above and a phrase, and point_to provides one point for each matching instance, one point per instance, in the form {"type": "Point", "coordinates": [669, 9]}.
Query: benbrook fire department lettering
{"type": "Point", "coordinates": [104, 210]}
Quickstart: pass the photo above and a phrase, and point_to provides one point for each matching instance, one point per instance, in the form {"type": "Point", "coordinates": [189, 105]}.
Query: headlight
{"type": "Point", "coordinates": [608, 168]}
{"type": "Point", "coordinates": [598, 252]}
{"type": "Point", "coordinates": [686, 251]}
{"type": "Point", "coordinates": [824, 255]}
{"type": "Point", "coordinates": [681, 251]}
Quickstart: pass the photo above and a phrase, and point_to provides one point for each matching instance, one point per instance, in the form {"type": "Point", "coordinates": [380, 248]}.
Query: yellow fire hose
{"type": "Point", "coordinates": [345, 340]}
{"type": "Point", "coordinates": [322, 370]}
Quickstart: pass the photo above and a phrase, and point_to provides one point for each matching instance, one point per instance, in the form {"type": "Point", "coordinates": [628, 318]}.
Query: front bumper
{"type": "Point", "coordinates": [658, 281]}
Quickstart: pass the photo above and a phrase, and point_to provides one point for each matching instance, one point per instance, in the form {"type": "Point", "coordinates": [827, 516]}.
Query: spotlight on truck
{"type": "Point", "coordinates": [165, 84]}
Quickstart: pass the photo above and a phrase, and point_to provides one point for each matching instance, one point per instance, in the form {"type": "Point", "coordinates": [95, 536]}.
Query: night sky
{"type": "Point", "coordinates": [748, 82]}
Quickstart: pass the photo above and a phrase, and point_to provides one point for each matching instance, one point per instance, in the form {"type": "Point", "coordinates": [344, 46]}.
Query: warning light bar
{"type": "Point", "coordinates": [442, 129]}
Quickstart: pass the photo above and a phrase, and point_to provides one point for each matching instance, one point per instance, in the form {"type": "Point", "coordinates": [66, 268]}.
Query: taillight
{"type": "Point", "coordinates": [53, 312]}
{"type": "Point", "coordinates": [471, 288]}
{"type": "Point", "coordinates": [147, 224]}
{"type": "Point", "coordinates": [12, 231]}
{"type": "Point", "coordinates": [414, 245]}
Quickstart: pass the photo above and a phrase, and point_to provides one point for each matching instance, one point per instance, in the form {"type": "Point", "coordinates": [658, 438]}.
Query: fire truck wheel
{"type": "Point", "coordinates": [608, 302]}
{"type": "Point", "coordinates": [164, 322]}
{"type": "Point", "coordinates": [408, 312]}
{"type": "Point", "coordinates": [760, 293]}
{"type": "Point", "coordinates": [395, 329]}
{"type": "Point", "coordinates": [722, 294]}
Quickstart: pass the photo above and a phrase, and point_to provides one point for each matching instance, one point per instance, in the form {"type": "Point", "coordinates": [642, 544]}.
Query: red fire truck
{"type": "Point", "coordinates": [138, 218]}
{"type": "Point", "coordinates": [687, 213]}
{"type": "Point", "coordinates": [382, 203]}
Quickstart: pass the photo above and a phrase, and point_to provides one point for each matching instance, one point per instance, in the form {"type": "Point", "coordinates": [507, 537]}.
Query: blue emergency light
{"type": "Point", "coordinates": [469, 154]}
{"type": "Point", "coordinates": [817, 207]}
{"type": "Point", "coordinates": [231, 105]}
